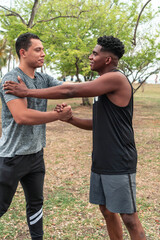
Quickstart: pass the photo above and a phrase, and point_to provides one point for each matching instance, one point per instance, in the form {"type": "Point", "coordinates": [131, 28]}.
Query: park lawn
{"type": "Point", "coordinates": [67, 213]}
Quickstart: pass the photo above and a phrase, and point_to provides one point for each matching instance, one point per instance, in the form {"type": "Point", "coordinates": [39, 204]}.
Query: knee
{"type": "Point", "coordinates": [105, 212]}
{"type": "Point", "coordinates": [34, 203]}
{"type": "Point", "coordinates": [129, 221]}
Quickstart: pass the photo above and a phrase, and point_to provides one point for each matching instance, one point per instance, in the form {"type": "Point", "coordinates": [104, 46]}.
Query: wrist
{"type": "Point", "coordinates": [28, 92]}
{"type": "Point", "coordinates": [58, 116]}
{"type": "Point", "coordinates": [70, 120]}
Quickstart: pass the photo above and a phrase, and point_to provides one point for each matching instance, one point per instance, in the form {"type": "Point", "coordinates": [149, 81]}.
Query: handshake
{"type": "Point", "coordinates": [64, 112]}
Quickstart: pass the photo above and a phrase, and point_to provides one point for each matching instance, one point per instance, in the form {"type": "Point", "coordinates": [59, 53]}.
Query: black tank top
{"type": "Point", "coordinates": [114, 150]}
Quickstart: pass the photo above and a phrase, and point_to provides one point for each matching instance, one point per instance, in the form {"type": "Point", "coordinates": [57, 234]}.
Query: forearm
{"type": "Point", "coordinates": [59, 92]}
{"type": "Point", "coordinates": [26, 116]}
{"type": "Point", "coordinates": [63, 91]}
{"type": "Point", "coordinates": [34, 117]}
{"type": "Point", "coordinates": [86, 124]}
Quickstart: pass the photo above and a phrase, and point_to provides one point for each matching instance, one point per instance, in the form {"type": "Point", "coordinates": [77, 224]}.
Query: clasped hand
{"type": "Point", "coordinates": [64, 111]}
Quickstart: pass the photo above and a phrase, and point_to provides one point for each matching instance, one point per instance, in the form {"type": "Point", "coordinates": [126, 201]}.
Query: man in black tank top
{"type": "Point", "coordinates": [114, 157]}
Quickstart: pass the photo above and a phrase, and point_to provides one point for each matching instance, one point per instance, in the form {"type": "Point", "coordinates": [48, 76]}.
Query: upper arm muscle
{"type": "Point", "coordinates": [106, 83]}
{"type": "Point", "coordinates": [17, 106]}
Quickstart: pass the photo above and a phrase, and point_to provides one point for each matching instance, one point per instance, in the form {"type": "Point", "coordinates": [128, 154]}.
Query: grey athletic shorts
{"type": "Point", "coordinates": [116, 192]}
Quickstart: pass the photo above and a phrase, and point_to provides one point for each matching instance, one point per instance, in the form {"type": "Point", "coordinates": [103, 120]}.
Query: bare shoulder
{"type": "Point", "coordinates": [113, 76]}
{"type": "Point", "coordinates": [116, 80]}
{"type": "Point", "coordinates": [121, 96]}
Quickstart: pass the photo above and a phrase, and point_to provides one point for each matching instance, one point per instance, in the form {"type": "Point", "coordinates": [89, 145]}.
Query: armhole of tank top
{"type": "Point", "coordinates": [117, 70]}
{"type": "Point", "coordinates": [131, 92]}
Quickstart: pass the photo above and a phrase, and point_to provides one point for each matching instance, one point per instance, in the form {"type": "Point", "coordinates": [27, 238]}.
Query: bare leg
{"type": "Point", "coordinates": [134, 226]}
{"type": "Point", "coordinates": [113, 223]}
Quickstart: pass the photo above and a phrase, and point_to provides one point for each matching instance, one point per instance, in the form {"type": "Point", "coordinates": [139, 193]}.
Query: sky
{"type": "Point", "coordinates": [155, 5]}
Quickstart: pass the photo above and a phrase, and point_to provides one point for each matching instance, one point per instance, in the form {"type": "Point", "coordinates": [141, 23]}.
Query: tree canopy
{"type": "Point", "coordinates": [69, 30]}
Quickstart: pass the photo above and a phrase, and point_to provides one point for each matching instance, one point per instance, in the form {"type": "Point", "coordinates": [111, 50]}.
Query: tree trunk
{"type": "Point", "coordinates": [85, 101]}
{"type": "Point", "coordinates": [140, 85]}
{"type": "Point", "coordinates": [9, 61]}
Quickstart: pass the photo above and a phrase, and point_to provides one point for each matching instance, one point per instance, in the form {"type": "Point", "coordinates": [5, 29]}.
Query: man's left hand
{"type": "Point", "coordinates": [18, 89]}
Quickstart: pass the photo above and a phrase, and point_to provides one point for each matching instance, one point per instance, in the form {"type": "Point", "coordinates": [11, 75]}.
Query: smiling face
{"type": "Point", "coordinates": [102, 61]}
{"type": "Point", "coordinates": [34, 55]}
{"type": "Point", "coordinates": [99, 59]}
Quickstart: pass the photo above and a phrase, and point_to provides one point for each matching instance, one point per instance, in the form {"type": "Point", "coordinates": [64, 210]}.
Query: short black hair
{"type": "Point", "coordinates": [23, 41]}
{"type": "Point", "coordinates": [111, 44]}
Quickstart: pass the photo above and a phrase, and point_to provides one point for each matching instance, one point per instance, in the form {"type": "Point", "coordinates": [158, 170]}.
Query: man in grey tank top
{"type": "Point", "coordinates": [114, 160]}
{"type": "Point", "coordinates": [23, 133]}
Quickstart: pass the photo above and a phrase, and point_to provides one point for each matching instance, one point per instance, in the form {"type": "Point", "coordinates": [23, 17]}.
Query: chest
{"type": "Point", "coordinates": [36, 103]}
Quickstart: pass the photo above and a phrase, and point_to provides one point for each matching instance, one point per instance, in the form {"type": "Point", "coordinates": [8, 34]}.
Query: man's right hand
{"type": "Point", "coordinates": [18, 89]}
{"type": "Point", "coordinates": [65, 114]}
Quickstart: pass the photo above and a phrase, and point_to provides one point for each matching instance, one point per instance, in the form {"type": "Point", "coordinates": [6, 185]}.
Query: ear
{"type": "Point", "coordinates": [22, 53]}
{"type": "Point", "coordinates": [108, 60]}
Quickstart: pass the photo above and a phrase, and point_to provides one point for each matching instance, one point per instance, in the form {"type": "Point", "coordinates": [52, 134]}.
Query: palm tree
{"type": "Point", "coordinates": [3, 55]}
